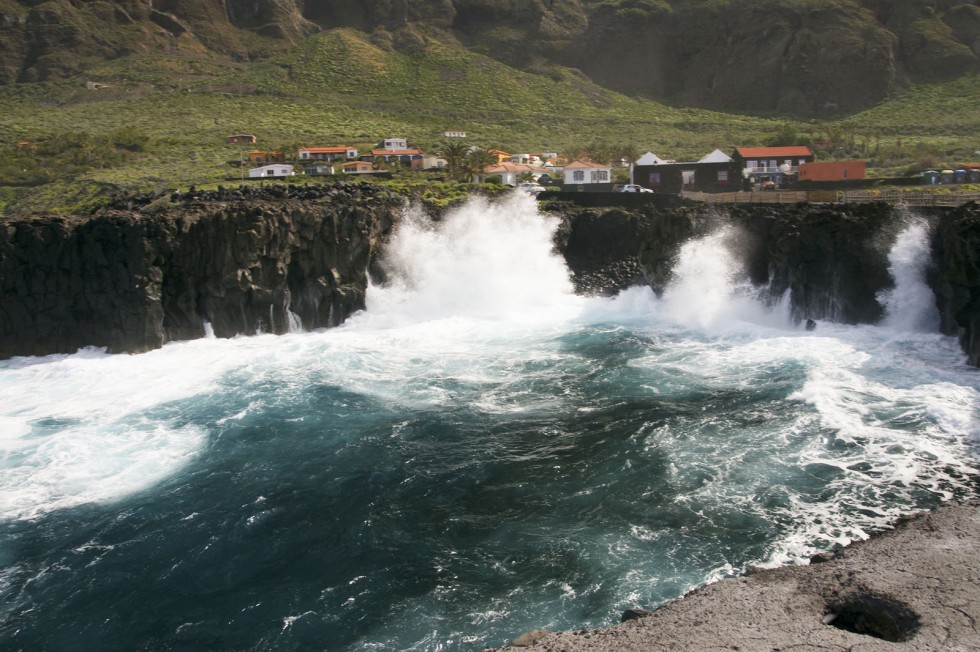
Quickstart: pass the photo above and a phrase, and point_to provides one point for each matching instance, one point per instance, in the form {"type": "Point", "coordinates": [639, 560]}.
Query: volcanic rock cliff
{"type": "Point", "coordinates": [832, 260]}
{"type": "Point", "coordinates": [131, 281]}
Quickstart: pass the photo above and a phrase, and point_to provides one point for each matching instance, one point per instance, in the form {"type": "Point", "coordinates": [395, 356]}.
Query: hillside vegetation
{"type": "Point", "coordinates": [145, 95]}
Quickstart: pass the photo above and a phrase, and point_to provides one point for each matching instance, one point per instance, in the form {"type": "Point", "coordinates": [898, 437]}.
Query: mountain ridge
{"type": "Point", "coordinates": [809, 58]}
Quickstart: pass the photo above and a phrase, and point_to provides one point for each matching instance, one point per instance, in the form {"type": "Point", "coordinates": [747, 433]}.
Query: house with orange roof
{"type": "Point", "coordinates": [411, 156]}
{"type": "Point", "coordinates": [509, 172]}
{"type": "Point", "coordinates": [588, 176]}
{"type": "Point", "coordinates": [762, 164]}
{"type": "Point", "coordinates": [335, 153]}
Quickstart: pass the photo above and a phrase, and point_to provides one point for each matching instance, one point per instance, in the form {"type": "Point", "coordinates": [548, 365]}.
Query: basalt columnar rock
{"type": "Point", "coordinates": [832, 260]}
{"type": "Point", "coordinates": [133, 280]}
{"type": "Point", "coordinates": [148, 272]}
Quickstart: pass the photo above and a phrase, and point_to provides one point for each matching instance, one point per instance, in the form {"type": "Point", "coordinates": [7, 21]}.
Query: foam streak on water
{"type": "Point", "coordinates": [465, 461]}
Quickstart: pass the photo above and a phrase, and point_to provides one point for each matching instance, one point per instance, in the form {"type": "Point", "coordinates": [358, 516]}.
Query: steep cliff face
{"type": "Point", "coordinates": [813, 57]}
{"type": "Point", "coordinates": [831, 260]}
{"type": "Point", "coordinates": [131, 282]}
{"type": "Point", "coordinates": [956, 278]}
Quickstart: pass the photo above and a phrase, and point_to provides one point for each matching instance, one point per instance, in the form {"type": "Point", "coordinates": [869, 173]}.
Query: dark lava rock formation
{"type": "Point", "coordinates": [247, 260]}
{"type": "Point", "coordinates": [833, 259]}
{"type": "Point", "coordinates": [133, 280]}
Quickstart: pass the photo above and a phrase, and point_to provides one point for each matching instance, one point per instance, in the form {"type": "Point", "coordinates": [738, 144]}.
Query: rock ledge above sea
{"type": "Point", "coordinates": [916, 587]}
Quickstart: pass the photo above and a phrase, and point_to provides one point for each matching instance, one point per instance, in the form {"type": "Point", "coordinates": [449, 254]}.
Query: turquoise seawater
{"type": "Point", "coordinates": [478, 454]}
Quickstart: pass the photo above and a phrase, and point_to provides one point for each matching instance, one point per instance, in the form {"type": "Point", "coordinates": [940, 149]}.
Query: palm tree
{"type": "Point", "coordinates": [476, 161]}
{"type": "Point", "coordinates": [454, 152]}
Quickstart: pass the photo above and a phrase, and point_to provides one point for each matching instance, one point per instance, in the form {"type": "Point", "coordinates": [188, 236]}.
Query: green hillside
{"type": "Point", "coordinates": [160, 122]}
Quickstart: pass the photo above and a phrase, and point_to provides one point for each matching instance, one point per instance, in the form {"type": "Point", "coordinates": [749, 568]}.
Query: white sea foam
{"type": "Point", "coordinates": [77, 429]}
{"type": "Point", "coordinates": [710, 291]}
{"type": "Point", "coordinates": [910, 305]}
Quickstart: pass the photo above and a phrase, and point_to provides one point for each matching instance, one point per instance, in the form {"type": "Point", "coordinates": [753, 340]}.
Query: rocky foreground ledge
{"type": "Point", "coordinates": [916, 587]}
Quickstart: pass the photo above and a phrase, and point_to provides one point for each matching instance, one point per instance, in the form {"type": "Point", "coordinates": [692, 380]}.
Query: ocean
{"type": "Point", "coordinates": [479, 453]}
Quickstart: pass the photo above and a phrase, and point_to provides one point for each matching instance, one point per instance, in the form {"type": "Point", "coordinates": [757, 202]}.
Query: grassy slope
{"type": "Point", "coordinates": [338, 88]}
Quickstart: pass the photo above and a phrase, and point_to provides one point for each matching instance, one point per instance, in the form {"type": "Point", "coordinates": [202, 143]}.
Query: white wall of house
{"type": "Point", "coordinates": [271, 171]}
{"type": "Point", "coordinates": [395, 143]}
{"type": "Point", "coordinates": [575, 175]}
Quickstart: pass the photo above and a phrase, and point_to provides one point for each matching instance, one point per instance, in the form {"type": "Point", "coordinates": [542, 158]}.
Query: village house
{"type": "Point", "coordinates": [454, 133]}
{"type": "Point", "coordinates": [274, 171]}
{"type": "Point", "coordinates": [714, 172]}
{"type": "Point", "coordinates": [761, 164]}
{"type": "Point", "coordinates": [318, 170]}
{"type": "Point", "coordinates": [433, 162]}
{"type": "Point", "coordinates": [509, 173]}
{"type": "Point", "coordinates": [412, 157]}
{"type": "Point", "coordinates": [586, 176]}
{"type": "Point", "coordinates": [500, 154]}
{"type": "Point", "coordinates": [338, 153]}
{"type": "Point", "coordinates": [357, 167]}
{"type": "Point", "coordinates": [396, 150]}
{"type": "Point", "coordinates": [260, 157]}
{"type": "Point", "coordinates": [239, 139]}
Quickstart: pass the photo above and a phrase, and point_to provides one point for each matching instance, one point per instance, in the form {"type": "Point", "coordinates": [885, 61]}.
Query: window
{"type": "Point", "coordinates": [802, 161]}
{"type": "Point", "coordinates": [722, 176]}
{"type": "Point", "coordinates": [751, 164]}
{"type": "Point", "coordinates": [600, 176]}
{"type": "Point", "coordinates": [654, 179]}
{"type": "Point", "coordinates": [578, 175]}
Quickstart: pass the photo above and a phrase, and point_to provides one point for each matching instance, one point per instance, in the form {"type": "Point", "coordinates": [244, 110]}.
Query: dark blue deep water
{"type": "Point", "coordinates": [462, 462]}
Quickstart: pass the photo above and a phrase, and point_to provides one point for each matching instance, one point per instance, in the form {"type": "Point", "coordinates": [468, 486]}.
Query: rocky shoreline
{"type": "Point", "coordinates": [914, 587]}
{"type": "Point", "coordinates": [241, 261]}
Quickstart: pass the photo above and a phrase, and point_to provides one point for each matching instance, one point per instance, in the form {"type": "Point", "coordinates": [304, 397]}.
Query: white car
{"type": "Point", "coordinates": [533, 188]}
{"type": "Point", "coordinates": [632, 187]}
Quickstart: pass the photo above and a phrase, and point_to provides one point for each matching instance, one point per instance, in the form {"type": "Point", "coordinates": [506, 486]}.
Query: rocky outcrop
{"type": "Point", "coordinates": [133, 280]}
{"type": "Point", "coordinates": [911, 588]}
{"type": "Point", "coordinates": [832, 260]}
{"type": "Point", "coordinates": [147, 272]}
{"type": "Point", "coordinates": [956, 277]}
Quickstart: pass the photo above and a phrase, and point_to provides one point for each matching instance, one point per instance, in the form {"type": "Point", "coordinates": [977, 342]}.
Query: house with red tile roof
{"type": "Point", "coordinates": [509, 172]}
{"type": "Point", "coordinates": [767, 163]}
{"type": "Point", "coordinates": [337, 153]}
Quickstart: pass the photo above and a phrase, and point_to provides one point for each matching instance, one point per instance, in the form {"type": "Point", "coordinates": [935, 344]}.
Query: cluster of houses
{"type": "Point", "coordinates": [343, 159]}
{"type": "Point", "coordinates": [746, 168]}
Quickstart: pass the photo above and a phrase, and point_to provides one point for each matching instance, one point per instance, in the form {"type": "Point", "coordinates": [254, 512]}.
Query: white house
{"type": "Point", "coordinates": [274, 171]}
{"type": "Point", "coordinates": [454, 133]}
{"type": "Point", "coordinates": [509, 172]}
{"type": "Point", "coordinates": [582, 173]}
{"type": "Point", "coordinates": [394, 143]}
{"type": "Point", "coordinates": [433, 162]}
{"type": "Point", "coordinates": [339, 153]}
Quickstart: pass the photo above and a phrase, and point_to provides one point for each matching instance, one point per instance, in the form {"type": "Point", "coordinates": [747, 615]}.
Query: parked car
{"type": "Point", "coordinates": [632, 187]}
{"type": "Point", "coordinates": [533, 188]}
{"type": "Point", "coordinates": [768, 185]}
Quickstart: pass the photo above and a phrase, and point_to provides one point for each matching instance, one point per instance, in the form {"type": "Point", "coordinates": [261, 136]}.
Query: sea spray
{"type": "Point", "coordinates": [488, 259]}
{"type": "Point", "coordinates": [710, 290]}
{"type": "Point", "coordinates": [441, 476]}
{"type": "Point", "coordinates": [911, 304]}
